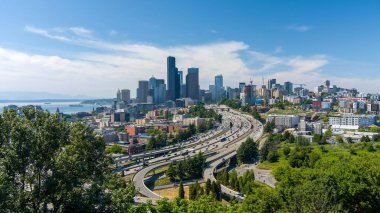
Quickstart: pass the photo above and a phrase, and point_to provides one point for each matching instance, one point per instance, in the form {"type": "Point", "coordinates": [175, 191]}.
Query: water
{"type": "Point", "coordinates": [52, 106]}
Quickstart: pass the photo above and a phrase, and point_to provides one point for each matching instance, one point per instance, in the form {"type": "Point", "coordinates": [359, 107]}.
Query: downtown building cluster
{"type": "Point", "coordinates": [161, 103]}
{"type": "Point", "coordinates": [180, 89]}
{"type": "Point", "coordinates": [159, 92]}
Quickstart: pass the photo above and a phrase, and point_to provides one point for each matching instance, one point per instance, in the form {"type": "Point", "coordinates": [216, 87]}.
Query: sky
{"type": "Point", "coordinates": [92, 48]}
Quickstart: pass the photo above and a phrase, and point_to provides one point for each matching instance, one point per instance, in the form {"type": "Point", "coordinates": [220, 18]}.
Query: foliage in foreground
{"type": "Point", "coordinates": [47, 163]}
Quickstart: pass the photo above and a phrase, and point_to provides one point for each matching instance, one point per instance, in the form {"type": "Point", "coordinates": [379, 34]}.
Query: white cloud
{"type": "Point", "coordinates": [81, 31]}
{"type": "Point", "coordinates": [299, 28]}
{"type": "Point", "coordinates": [45, 33]}
{"type": "Point", "coordinates": [278, 49]}
{"type": "Point", "coordinates": [120, 65]}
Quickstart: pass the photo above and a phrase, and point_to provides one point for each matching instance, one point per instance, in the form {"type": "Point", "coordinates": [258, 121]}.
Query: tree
{"type": "Point", "coordinates": [374, 129]}
{"type": "Point", "coordinates": [256, 114]}
{"type": "Point", "coordinates": [349, 140]}
{"type": "Point", "coordinates": [163, 205]}
{"type": "Point", "coordinates": [216, 190]}
{"type": "Point", "coordinates": [365, 139]}
{"type": "Point", "coordinates": [264, 151]}
{"type": "Point", "coordinates": [181, 173]}
{"type": "Point", "coordinates": [171, 172]}
{"type": "Point", "coordinates": [287, 135]}
{"type": "Point", "coordinates": [247, 151]}
{"type": "Point", "coordinates": [46, 160]}
{"type": "Point", "coordinates": [376, 137]}
{"type": "Point", "coordinates": [292, 139]}
{"type": "Point", "coordinates": [313, 158]}
{"type": "Point", "coordinates": [181, 191]}
{"type": "Point", "coordinates": [269, 126]}
{"type": "Point", "coordinates": [234, 183]}
{"type": "Point", "coordinates": [273, 156]}
{"type": "Point", "coordinates": [208, 187]}
{"type": "Point", "coordinates": [115, 148]}
{"type": "Point", "coordinates": [370, 148]}
{"type": "Point", "coordinates": [328, 133]}
{"type": "Point", "coordinates": [192, 192]}
{"type": "Point", "coordinates": [246, 108]}
{"type": "Point", "coordinates": [317, 138]}
{"type": "Point", "coordinates": [262, 200]}
{"type": "Point", "coordinates": [286, 151]}
{"type": "Point", "coordinates": [339, 139]}
{"type": "Point", "coordinates": [299, 157]}
{"type": "Point", "coordinates": [198, 189]}
{"type": "Point", "coordinates": [123, 198]}
{"type": "Point", "coordinates": [223, 177]}
{"type": "Point", "coordinates": [157, 139]}
{"type": "Point", "coordinates": [201, 128]}
{"type": "Point", "coordinates": [230, 103]}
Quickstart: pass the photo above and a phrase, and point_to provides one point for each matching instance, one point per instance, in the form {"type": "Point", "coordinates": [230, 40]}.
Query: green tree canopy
{"type": "Point", "coordinates": [46, 162]}
{"type": "Point", "coordinates": [247, 151]}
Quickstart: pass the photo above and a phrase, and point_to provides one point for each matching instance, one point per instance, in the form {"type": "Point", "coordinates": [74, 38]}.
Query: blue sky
{"type": "Point", "coordinates": [94, 47]}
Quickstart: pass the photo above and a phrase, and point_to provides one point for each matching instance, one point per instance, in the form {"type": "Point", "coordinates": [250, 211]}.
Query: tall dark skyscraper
{"type": "Point", "coordinates": [192, 83]}
{"type": "Point", "coordinates": [271, 83]}
{"type": "Point", "coordinates": [173, 78]}
{"type": "Point", "coordinates": [142, 92]}
{"type": "Point", "coordinates": [219, 88]}
{"type": "Point", "coordinates": [288, 87]}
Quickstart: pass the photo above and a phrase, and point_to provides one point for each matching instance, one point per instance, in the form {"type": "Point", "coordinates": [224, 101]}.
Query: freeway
{"type": "Point", "coordinates": [191, 142]}
{"type": "Point", "coordinates": [241, 129]}
{"type": "Point", "coordinates": [208, 173]}
{"type": "Point", "coordinates": [200, 142]}
{"type": "Point", "coordinates": [195, 140]}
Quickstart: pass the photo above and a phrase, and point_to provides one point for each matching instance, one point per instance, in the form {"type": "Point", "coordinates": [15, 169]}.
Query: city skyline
{"type": "Point", "coordinates": [97, 55]}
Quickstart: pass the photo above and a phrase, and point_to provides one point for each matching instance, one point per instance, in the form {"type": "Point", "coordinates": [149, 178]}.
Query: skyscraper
{"type": "Point", "coordinates": [182, 90]}
{"type": "Point", "coordinates": [192, 83]}
{"type": "Point", "coordinates": [118, 95]}
{"type": "Point", "coordinates": [327, 84]}
{"type": "Point", "coordinates": [241, 86]}
{"type": "Point", "coordinates": [125, 95]}
{"type": "Point", "coordinates": [271, 83]}
{"type": "Point", "coordinates": [173, 78]}
{"type": "Point", "coordinates": [211, 89]}
{"type": "Point", "coordinates": [180, 73]}
{"type": "Point", "coordinates": [159, 91]}
{"type": "Point", "coordinates": [219, 88]}
{"type": "Point", "coordinates": [288, 87]}
{"type": "Point", "coordinates": [142, 92]}
{"type": "Point", "coordinates": [249, 95]}
{"type": "Point", "coordinates": [152, 82]}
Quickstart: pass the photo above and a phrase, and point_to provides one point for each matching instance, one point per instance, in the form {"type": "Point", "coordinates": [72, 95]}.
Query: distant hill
{"type": "Point", "coordinates": [25, 95]}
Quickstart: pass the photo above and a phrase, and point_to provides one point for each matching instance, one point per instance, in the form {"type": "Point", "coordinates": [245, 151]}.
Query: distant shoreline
{"type": "Point", "coordinates": [43, 100]}
{"type": "Point", "coordinates": [82, 101]}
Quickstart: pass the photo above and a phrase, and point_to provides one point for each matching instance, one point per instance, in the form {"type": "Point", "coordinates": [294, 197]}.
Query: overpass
{"type": "Point", "coordinates": [244, 128]}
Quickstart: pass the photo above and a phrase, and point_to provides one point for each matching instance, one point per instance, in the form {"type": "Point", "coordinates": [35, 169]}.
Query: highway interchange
{"type": "Point", "coordinates": [217, 145]}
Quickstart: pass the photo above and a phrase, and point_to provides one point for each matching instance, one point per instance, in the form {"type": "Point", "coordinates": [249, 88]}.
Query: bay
{"type": "Point", "coordinates": [66, 107]}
